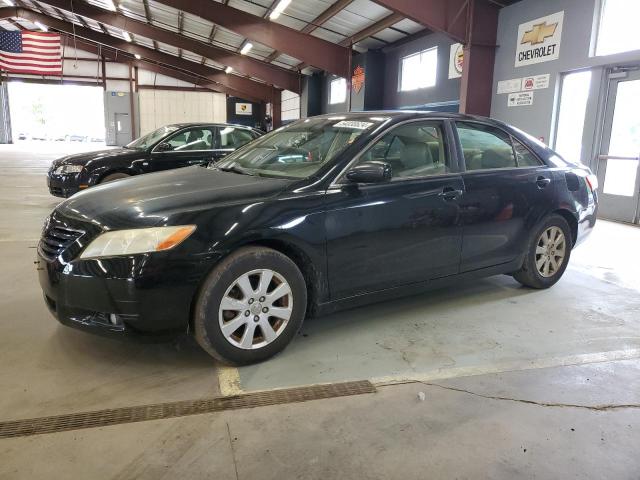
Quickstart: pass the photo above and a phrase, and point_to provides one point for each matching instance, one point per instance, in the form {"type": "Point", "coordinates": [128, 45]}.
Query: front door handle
{"type": "Point", "coordinates": [449, 193]}
{"type": "Point", "coordinates": [542, 182]}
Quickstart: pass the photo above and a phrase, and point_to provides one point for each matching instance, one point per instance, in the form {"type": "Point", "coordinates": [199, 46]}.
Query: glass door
{"type": "Point", "coordinates": [619, 159]}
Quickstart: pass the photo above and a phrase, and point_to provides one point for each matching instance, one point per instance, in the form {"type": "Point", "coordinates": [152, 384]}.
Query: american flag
{"type": "Point", "coordinates": [30, 52]}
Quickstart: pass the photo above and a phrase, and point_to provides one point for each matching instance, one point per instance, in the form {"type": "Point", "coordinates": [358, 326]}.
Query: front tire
{"type": "Point", "coordinates": [250, 306]}
{"type": "Point", "coordinates": [548, 254]}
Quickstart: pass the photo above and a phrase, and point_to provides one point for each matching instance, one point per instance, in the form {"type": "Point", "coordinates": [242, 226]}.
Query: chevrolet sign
{"type": "Point", "coordinates": [539, 40]}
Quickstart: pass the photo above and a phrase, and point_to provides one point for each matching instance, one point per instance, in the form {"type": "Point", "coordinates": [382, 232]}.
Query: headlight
{"type": "Point", "coordinates": [139, 240]}
{"type": "Point", "coordinates": [62, 169]}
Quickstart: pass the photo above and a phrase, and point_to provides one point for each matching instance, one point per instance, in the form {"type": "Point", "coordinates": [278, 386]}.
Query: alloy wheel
{"type": "Point", "coordinates": [255, 309]}
{"type": "Point", "coordinates": [550, 251]}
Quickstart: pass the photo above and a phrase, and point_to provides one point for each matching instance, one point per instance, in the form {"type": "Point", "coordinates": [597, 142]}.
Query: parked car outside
{"type": "Point", "coordinates": [326, 213]}
{"type": "Point", "coordinates": [172, 146]}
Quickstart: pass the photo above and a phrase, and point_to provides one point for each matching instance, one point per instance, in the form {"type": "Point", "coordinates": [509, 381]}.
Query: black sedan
{"type": "Point", "coordinates": [172, 146]}
{"type": "Point", "coordinates": [326, 213]}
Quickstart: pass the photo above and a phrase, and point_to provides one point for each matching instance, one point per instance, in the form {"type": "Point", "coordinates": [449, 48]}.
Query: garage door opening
{"type": "Point", "coordinates": [56, 113]}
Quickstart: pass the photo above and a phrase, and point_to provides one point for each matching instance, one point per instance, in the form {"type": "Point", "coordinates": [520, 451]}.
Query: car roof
{"type": "Point", "coordinates": [209, 124]}
{"type": "Point", "coordinates": [407, 114]}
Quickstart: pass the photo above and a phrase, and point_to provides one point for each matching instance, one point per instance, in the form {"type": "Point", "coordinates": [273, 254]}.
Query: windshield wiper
{"type": "Point", "coordinates": [235, 169]}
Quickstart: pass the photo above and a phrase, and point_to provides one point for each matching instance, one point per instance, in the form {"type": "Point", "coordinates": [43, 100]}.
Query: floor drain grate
{"type": "Point", "coordinates": [103, 418]}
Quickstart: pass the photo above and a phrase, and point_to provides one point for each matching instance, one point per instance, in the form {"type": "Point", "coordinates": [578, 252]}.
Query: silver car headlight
{"type": "Point", "coordinates": [64, 169]}
{"type": "Point", "coordinates": [138, 240]}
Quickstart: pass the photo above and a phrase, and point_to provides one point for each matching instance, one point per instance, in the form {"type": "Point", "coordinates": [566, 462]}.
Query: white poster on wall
{"type": "Point", "coordinates": [536, 82]}
{"type": "Point", "coordinates": [509, 86]}
{"type": "Point", "coordinates": [539, 40]}
{"type": "Point", "coordinates": [456, 60]}
{"type": "Point", "coordinates": [244, 109]}
{"type": "Point", "coordinates": [520, 99]}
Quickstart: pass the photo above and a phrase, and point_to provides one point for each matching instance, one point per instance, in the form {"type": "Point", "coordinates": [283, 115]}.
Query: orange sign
{"type": "Point", "coordinates": [357, 79]}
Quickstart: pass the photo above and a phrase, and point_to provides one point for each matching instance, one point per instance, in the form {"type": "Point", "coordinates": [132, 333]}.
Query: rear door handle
{"type": "Point", "coordinates": [542, 182]}
{"type": "Point", "coordinates": [449, 193]}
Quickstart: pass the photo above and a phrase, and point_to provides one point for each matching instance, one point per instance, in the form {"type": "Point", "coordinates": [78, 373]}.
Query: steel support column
{"type": "Point", "coordinates": [476, 87]}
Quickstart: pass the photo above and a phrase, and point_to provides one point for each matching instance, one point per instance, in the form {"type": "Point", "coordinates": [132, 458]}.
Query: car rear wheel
{"type": "Point", "coordinates": [548, 254]}
{"type": "Point", "coordinates": [114, 176]}
{"type": "Point", "coordinates": [250, 306]}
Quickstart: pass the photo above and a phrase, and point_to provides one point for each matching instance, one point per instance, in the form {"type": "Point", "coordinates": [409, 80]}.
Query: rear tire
{"type": "Point", "coordinates": [114, 176]}
{"type": "Point", "coordinates": [548, 253]}
{"type": "Point", "coordinates": [250, 306]}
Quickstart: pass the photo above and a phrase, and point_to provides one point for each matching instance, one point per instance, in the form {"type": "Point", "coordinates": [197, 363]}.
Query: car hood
{"type": "Point", "coordinates": [107, 154]}
{"type": "Point", "coordinates": [152, 199]}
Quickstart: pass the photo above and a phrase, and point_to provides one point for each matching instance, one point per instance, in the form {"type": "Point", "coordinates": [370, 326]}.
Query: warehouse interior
{"type": "Point", "coordinates": [485, 379]}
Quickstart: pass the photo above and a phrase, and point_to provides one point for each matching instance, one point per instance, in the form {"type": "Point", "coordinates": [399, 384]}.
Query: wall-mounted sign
{"type": "Point", "coordinates": [520, 99]}
{"type": "Point", "coordinates": [510, 86]}
{"type": "Point", "coordinates": [456, 60]}
{"type": "Point", "coordinates": [539, 40]}
{"type": "Point", "coordinates": [244, 109]}
{"type": "Point", "coordinates": [357, 79]}
{"type": "Point", "coordinates": [536, 82]}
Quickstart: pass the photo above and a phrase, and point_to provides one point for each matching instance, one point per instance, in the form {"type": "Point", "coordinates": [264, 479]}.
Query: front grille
{"type": "Point", "coordinates": [57, 191]}
{"type": "Point", "coordinates": [55, 240]}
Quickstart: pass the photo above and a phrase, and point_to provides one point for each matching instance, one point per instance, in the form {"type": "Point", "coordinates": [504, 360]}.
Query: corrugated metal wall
{"type": "Point", "coordinates": [5, 117]}
{"type": "Point", "coordinates": [162, 107]}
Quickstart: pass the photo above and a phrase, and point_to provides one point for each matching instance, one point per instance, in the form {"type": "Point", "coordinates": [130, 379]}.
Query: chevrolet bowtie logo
{"type": "Point", "coordinates": [539, 33]}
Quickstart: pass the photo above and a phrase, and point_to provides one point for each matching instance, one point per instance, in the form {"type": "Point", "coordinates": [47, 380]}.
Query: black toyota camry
{"type": "Point", "coordinates": [172, 146]}
{"type": "Point", "coordinates": [325, 213]}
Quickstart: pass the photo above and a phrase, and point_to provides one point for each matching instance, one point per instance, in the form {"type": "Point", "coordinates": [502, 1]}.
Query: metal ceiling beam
{"type": "Point", "coordinates": [230, 84]}
{"type": "Point", "coordinates": [445, 16]}
{"type": "Point", "coordinates": [371, 30]}
{"type": "Point", "coordinates": [110, 54]}
{"type": "Point", "coordinates": [315, 51]}
{"type": "Point", "coordinates": [330, 12]}
{"type": "Point", "coordinates": [240, 63]}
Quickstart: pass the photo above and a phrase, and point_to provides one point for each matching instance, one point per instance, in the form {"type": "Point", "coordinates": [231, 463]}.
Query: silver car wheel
{"type": "Point", "coordinates": [550, 251]}
{"type": "Point", "coordinates": [255, 309]}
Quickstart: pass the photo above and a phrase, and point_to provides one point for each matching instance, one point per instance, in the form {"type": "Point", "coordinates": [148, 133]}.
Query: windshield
{"type": "Point", "coordinates": [152, 138]}
{"type": "Point", "coordinates": [300, 149]}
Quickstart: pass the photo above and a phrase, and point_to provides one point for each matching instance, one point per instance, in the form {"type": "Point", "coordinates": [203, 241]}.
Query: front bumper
{"type": "Point", "coordinates": [148, 297]}
{"type": "Point", "coordinates": [63, 185]}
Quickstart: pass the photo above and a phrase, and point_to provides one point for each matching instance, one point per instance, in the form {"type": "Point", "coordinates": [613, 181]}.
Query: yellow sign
{"type": "Point", "coordinates": [539, 33]}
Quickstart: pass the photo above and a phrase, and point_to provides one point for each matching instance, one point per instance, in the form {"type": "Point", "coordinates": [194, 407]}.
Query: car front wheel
{"type": "Point", "coordinates": [547, 255]}
{"type": "Point", "coordinates": [250, 306]}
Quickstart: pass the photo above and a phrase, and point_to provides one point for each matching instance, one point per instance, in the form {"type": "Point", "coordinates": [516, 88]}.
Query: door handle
{"type": "Point", "coordinates": [542, 182]}
{"type": "Point", "coordinates": [449, 193]}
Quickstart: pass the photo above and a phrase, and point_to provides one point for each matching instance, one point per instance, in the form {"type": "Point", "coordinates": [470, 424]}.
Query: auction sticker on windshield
{"type": "Point", "coordinates": [353, 124]}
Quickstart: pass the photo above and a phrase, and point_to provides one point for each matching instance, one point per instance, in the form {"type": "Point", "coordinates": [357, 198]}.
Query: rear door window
{"type": "Point", "coordinates": [485, 147]}
{"type": "Point", "coordinates": [233, 138]}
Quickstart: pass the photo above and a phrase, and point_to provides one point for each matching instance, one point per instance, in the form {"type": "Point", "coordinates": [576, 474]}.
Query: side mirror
{"type": "Point", "coordinates": [370, 172]}
{"type": "Point", "coordinates": [164, 147]}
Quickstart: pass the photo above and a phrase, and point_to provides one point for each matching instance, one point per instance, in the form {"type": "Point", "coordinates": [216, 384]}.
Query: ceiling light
{"type": "Point", "coordinates": [138, 57]}
{"type": "Point", "coordinates": [282, 4]}
{"type": "Point", "coordinates": [126, 36]}
{"type": "Point", "coordinates": [228, 70]}
{"type": "Point", "coordinates": [40, 26]}
{"type": "Point", "coordinates": [247, 46]}
{"type": "Point", "coordinates": [110, 5]}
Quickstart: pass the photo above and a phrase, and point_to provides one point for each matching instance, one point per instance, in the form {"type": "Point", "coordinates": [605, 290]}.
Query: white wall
{"type": "Point", "coordinates": [162, 107]}
{"type": "Point", "coordinates": [290, 106]}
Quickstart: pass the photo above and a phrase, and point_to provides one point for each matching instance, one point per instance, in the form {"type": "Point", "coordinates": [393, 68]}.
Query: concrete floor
{"type": "Point", "coordinates": [517, 383]}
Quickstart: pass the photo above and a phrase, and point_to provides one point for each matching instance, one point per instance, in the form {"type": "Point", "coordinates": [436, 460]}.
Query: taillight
{"type": "Point", "coordinates": [592, 181]}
